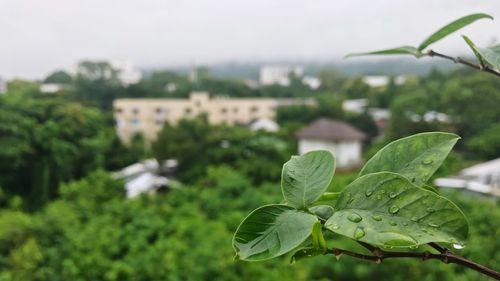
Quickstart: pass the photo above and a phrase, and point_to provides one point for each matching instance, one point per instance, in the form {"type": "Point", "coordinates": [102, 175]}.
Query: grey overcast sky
{"type": "Point", "coordinates": [40, 36]}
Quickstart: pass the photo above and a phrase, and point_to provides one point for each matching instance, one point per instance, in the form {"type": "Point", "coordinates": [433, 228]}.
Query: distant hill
{"type": "Point", "coordinates": [361, 66]}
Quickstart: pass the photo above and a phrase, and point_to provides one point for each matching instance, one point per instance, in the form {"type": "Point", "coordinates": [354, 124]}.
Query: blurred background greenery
{"type": "Point", "coordinates": [64, 217]}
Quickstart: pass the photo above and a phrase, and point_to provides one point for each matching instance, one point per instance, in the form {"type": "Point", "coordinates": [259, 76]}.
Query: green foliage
{"type": "Point", "coordinates": [487, 143]}
{"type": "Point", "coordinates": [386, 210]}
{"type": "Point", "coordinates": [59, 77]}
{"type": "Point", "coordinates": [381, 207]}
{"type": "Point", "coordinates": [450, 28]}
{"type": "Point", "coordinates": [306, 177]}
{"type": "Point", "coordinates": [489, 55]}
{"type": "Point", "coordinates": [416, 157]}
{"type": "Point", "coordinates": [271, 231]}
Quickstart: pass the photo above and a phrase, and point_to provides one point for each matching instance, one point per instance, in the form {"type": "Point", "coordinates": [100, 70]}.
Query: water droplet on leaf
{"type": "Point", "coordinates": [431, 224]}
{"type": "Point", "coordinates": [393, 209]}
{"type": "Point", "coordinates": [415, 219]}
{"type": "Point", "coordinates": [368, 193]}
{"type": "Point", "coordinates": [393, 223]}
{"type": "Point", "coordinates": [393, 195]}
{"type": "Point", "coordinates": [359, 233]}
{"type": "Point", "coordinates": [427, 161]}
{"type": "Point", "coordinates": [376, 217]}
{"type": "Point", "coordinates": [354, 217]}
{"type": "Point", "coordinates": [458, 246]}
{"type": "Point", "coordinates": [430, 210]}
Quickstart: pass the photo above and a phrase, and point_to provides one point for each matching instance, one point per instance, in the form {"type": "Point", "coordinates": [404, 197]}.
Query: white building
{"type": "Point", "coordinates": [142, 177]}
{"type": "Point", "coordinates": [276, 74]}
{"type": "Point", "coordinates": [264, 124]}
{"type": "Point", "coordinates": [482, 178]}
{"type": "Point", "coordinates": [376, 81]}
{"type": "Point", "coordinates": [127, 73]}
{"type": "Point", "coordinates": [313, 82]}
{"type": "Point", "coordinates": [340, 138]}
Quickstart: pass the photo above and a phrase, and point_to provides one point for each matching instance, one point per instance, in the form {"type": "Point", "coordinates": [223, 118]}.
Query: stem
{"type": "Point", "coordinates": [445, 256]}
{"type": "Point", "coordinates": [459, 60]}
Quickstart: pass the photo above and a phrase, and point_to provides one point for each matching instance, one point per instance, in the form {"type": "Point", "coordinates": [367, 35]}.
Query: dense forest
{"type": "Point", "coordinates": [64, 217]}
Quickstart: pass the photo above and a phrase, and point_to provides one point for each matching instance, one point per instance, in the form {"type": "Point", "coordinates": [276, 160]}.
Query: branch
{"type": "Point", "coordinates": [446, 256]}
{"type": "Point", "coordinates": [459, 60]}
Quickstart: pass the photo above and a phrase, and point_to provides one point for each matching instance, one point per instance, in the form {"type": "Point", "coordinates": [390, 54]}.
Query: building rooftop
{"type": "Point", "coordinates": [328, 129]}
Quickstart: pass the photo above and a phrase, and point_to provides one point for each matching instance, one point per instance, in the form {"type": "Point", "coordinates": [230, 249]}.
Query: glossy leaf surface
{"type": "Point", "coordinates": [403, 50]}
{"type": "Point", "coordinates": [451, 27]}
{"type": "Point", "coordinates": [416, 157]}
{"type": "Point", "coordinates": [386, 210]}
{"type": "Point", "coordinates": [305, 178]}
{"type": "Point", "coordinates": [271, 231]}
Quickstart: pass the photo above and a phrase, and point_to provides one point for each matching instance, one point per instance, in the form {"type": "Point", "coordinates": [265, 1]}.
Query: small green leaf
{"type": "Point", "coordinates": [318, 240]}
{"type": "Point", "coordinates": [416, 157]}
{"type": "Point", "coordinates": [396, 214]}
{"type": "Point", "coordinates": [403, 50]}
{"type": "Point", "coordinates": [452, 27]}
{"type": "Point", "coordinates": [474, 49]}
{"type": "Point", "coordinates": [271, 231]}
{"type": "Point", "coordinates": [323, 212]}
{"type": "Point", "coordinates": [306, 177]}
{"type": "Point", "coordinates": [327, 198]}
{"type": "Point", "coordinates": [491, 56]}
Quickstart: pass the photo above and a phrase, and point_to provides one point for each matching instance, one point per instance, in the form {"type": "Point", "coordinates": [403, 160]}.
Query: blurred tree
{"type": "Point", "coordinates": [59, 77]}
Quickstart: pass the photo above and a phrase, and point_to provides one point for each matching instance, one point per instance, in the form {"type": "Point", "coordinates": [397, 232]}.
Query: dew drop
{"type": "Point", "coordinates": [335, 226]}
{"type": "Point", "coordinates": [368, 193]}
{"type": "Point", "coordinates": [413, 247]}
{"type": "Point", "coordinates": [413, 179]}
{"type": "Point", "coordinates": [425, 230]}
{"type": "Point", "coordinates": [376, 218]}
{"type": "Point", "coordinates": [379, 197]}
{"type": "Point", "coordinates": [405, 223]}
{"type": "Point", "coordinates": [354, 217]}
{"type": "Point", "coordinates": [393, 209]}
{"type": "Point", "coordinates": [393, 223]}
{"type": "Point", "coordinates": [337, 257]}
{"type": "Point", "coordinates": [430, 210]}
{"type": "Point", "coordinates": [458, 246]}
{"type": "Point", "coordinates": [415, 219]}
{"type": "Point", "coordinates": [393, 195]}
{"type": "Point", "coordinates": [431, 224]}
{"type": "Point", "coordinates": [407, 165]}
{"type": "Point", "coordinates": [359, 233]}
{"type": "Point", "coordinates": [383, 191]}
{"type": "Point", "coordinates": [427, 161]}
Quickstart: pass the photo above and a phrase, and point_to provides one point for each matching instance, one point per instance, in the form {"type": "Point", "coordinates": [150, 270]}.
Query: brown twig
{"type": "Point", "coordinates": [459, 60]}
{"type": "Point", "coordinates": [445, 256]}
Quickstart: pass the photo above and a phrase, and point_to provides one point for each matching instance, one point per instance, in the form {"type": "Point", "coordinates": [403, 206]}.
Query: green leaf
{"type": "Point", "coordinates": [318, 240]}
{"type": "Point", "coordinates": [271, 231]}
{"type": "Point", "coordinates": [327, 198]}
{"type": "Point", "coordinates": [491, 56]}
{"type": "Point", "coordinates": [416, 157]}
{"type": "Point", "coordinates": [386, 210]}
{"type": "Point", "coordinates": [323, 212]}
{"type": "Point", "coordinates": [430, 188]}
{"type": "Point", "coordinates": [452, 27]}
{"type": "Point", "coordinates": [474, 49]}
{"type": "Point", "coordinates": [403, 50]}
{"type": "Point", "coordinates": [306, 177]}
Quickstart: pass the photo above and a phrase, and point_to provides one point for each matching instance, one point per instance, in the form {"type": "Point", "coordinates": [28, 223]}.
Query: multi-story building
{"type": "Point", "coordinates": [147, 116]}
{"type": "Point", "coordinates": [275, 74]}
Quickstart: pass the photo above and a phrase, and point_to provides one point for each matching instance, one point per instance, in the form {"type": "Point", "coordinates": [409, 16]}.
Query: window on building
{"type": "Point", "coordinates": [223, 110]}
{"type": "Point", "coordinates": [135, 110]}
{"type": "Point", "coordinates": [235, 110]}
{"type": "Point", "coordinates": [136, 122]}
{"type": "Point", "coordinates": [119, 110]}
{"type": "Point", "coordinates": [254, 109]}
{"type": "Point", "coordinates": [187, 110]}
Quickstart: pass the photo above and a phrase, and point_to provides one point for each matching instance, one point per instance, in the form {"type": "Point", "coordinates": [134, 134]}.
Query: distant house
{"type": "Point", "coordinates": [142, 177]}
{"type": "Point", "coordinates": [482, 178]}
{"type": "Point", "coordinates": [340, 138]}
{"type": "Point", "coordinates": [264, 124]}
